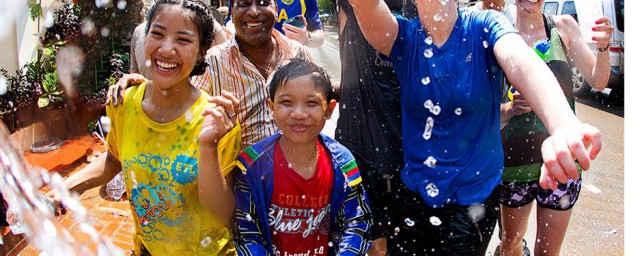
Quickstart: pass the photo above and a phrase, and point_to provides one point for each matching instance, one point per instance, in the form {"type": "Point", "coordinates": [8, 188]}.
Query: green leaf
{"type": "Point", "coordinates": [43, 101]}
{"type": "Point", "coordinates": [35, 10]}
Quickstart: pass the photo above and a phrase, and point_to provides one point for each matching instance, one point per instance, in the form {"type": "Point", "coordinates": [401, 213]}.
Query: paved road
{"type": "Point", "coordinates": [597, 225]}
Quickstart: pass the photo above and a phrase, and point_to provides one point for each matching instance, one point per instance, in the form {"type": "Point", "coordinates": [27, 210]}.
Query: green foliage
{"type": "Point", "coordinates": [35, 10]}
{"type": "Point", "coordinates": [326, 6]}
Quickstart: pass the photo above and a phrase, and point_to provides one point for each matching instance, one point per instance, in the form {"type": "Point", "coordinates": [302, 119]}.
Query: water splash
{"type": "Point", "coordinates": [428, 40]}
{"type": "Point", "coordinates": [49, 19]}
{"type": "Point", "coordinates": [409, 222]}
{"type": "Point", "coordinates": [485, 44]}
{"type": "Point", "coordinates": [206, 242]}
{"type": "Point", "coordinates": [476, 212]}
{"type": "Point", "coordinates": [426, 80]}
{"type": "Point", "coordinates": [4, 86]}
{"type": "Point", "coordinates": [102, 3]}
{"type": "Point", "coordinates": [69, 62]}
{"type": "Point", "coordinates": [428, 53]}
{"type": "Point", "coordinates": [437, 17]}
{"type": "Point", "coordinates": [435, 221]}
{"type": "Point", "coordinates": [19, 185]}
{"type": "Point", "coordinates": [88, 27]}
{"type": "Point", "coordinates": [430, 162]}
{"type": "Point", "coordinates": [432, 190]}
{"type": "Point", "coordinates": [122, 4]}
{"type": "Point", "coordinates": [428, 129]}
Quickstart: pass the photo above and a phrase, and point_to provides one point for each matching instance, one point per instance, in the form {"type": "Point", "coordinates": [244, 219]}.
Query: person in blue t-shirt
{"type": "Point", "coordinates": [311, 34]}
{"type": "Point", "coordinates": [450, 63]}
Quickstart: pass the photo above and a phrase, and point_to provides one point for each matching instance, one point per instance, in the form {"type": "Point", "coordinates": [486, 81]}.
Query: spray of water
{"type": "Point", "coordinates": [20, 185]}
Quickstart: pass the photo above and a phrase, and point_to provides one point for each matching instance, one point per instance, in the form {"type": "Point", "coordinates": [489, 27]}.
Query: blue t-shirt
{"type": "Point", "coordinates": [455, 90]}
{"type": "Point", "coordinates": [288, 9]}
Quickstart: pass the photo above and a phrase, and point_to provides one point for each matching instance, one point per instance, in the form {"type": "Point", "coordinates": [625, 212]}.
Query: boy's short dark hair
{"type": "Point", "coordinates": [297, 68]}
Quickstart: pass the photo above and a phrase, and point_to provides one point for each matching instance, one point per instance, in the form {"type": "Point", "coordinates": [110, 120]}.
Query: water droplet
{"type": "Point", "coordinates": [188, 116]}
{"type": "Point", "coordinates": [105, 31]}
{"type": "Point", "coordinates": [409, 222]}
{"type": "Point", "coordinates": [49, 19]}
{"type": "Point", "coordinates": [102, 3]}
{"type": "Point", "coordinates": [458, 111]}
{"type": "Point", "coordinates": [485, 44]}
{"type": "Point", "coordinates": [122, 4]}
{"type": "Point", "coordinates": [531, 26]}
{"type": "Point", "coordinates": [290, 166]}
{"type": "Point", "coordinates": [476, 212]}
{"type": "Point", "coordinates": [428, 129]}
{"type": "Point", "coordinates": [330, 244]}
{"type": "Point", "coordinates": [387, 34]}
{"type": "Point", "coordinates": [430, 162]}
{"type": "Point", "coordinates": [435, 221]}
{"type": "Point", "coordinates": [88, 27]}
{"type": "Point", "coordinates": [206, 242]}
{"type": "Point", "coordinates": [426, 80]}
{"type": "Point", "coordinates": [428, 53]}
{"type": "Point", "coordinates": [486, 30]}
{"type": "Point", "coordinates": [164, 92]}
{"type": "Point", "coordinates": [436, 110]}
{"type": "Point", "coordinates": [396, 231]}
{"type": "Point", "coordinates": [4, 87]}
{"type": "Point", "coordinates": [248, 217]}
{"type": "Point", "coordinates": [432, 190]}
{"type": "Point", "coordinates": [428, 40]}
{"type": "Point", "coordinates": [437, 17]}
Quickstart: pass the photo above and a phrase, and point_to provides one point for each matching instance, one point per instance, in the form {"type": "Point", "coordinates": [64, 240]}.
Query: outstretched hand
{"type": "Point", "coordinates": [563, 148]}
{"type": "Point", "coordinates": [296, 33]}
{"type": "Point", "coordinates": [54, 197]}
{"type": "Point", "coordinates": [219, 119]}
{"type": "Point", "coordinates": [115, 93]}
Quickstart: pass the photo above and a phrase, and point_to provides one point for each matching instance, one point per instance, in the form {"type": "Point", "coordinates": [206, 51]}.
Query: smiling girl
{"type": "Point", "coordinates": [165, 134]}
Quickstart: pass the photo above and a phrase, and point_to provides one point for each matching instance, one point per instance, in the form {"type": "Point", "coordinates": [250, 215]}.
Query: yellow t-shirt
{"type": "Point", "coordinates": [160, 170]}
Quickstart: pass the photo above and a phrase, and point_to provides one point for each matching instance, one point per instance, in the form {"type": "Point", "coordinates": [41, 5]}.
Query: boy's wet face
{"type": "Point", "coordinates": [300, 109]}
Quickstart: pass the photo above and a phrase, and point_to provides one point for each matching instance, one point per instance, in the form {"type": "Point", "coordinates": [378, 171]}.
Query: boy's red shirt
{"type": "Point", "coordinates": [299, 212]}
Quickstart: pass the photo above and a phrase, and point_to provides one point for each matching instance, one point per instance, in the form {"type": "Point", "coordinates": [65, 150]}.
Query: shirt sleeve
{"type": "Point", "coordinates": [497, 24]}
{"type": "Point", "coordinates": [249, 239]}
{"type": "Point", "coordinates": [313, 19]}
{"type": "Point", "coordinates": [355, 221]}
{"type": "Point", "coordinates": [228, 149]}
{"type": "Point", "coordinates": [113, 139]}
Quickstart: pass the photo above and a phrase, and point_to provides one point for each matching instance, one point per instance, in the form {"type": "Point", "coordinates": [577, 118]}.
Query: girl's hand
{"type": "Point", "coordinates": [219, 119]}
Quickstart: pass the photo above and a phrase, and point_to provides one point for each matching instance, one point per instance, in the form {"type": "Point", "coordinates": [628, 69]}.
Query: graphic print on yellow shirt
{"type": "Point", "coordinates": [160, 169]}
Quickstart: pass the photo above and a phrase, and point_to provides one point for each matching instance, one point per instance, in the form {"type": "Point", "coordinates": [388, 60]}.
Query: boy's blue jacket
{"type": "Point", "coordinates": [350, 215]}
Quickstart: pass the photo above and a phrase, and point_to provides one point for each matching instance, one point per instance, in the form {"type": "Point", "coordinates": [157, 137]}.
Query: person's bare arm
{"type": "Point", "coordinates": [596, 69]}
{"type": "Point", "coordinates": [215, 191]}
{"type": "Point", "coordinates": [313, 39]}
{"type": "Point", "coordinates": [221, 35]}
{"type": "Point", "coordinates": [569, 138]}
{"type": "Point", "coordinates": [97, 173]}
{"type": "Point", "coordinates": [378, 25]}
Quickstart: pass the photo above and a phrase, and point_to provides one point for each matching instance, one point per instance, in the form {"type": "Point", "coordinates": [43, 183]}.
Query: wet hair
{"type": "Point", "coordinates": [202, 19]}
{"type": "Point", "coordinates": [297, 68]}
